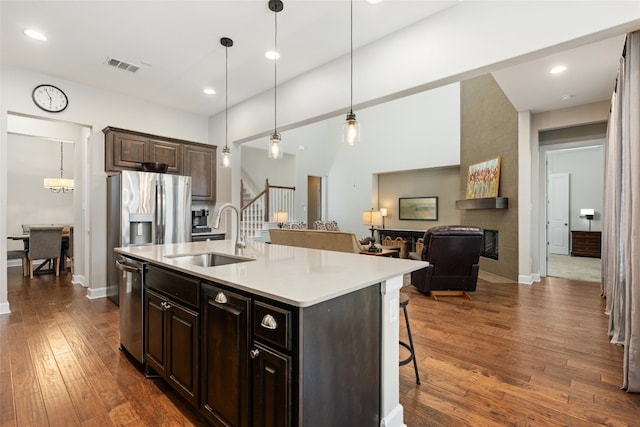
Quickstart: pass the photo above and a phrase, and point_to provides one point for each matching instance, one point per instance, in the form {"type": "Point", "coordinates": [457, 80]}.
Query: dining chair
{"type": "Point", "coordinates": [19, 254]}
{"type": "Point", "coordinates": [45, 243]}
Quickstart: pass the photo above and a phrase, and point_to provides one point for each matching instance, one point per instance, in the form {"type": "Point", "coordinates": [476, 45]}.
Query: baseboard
{"type": "Point", "coordinates": [4, 308]}
{"type": "Point", "coordinates": [96, 293]}
{"type": "Point", "coordinates": [78, 279]}
{"type": "Point", "coordinates": [528, 279]}
{"type": "Point", "coordinates": [14, 263]}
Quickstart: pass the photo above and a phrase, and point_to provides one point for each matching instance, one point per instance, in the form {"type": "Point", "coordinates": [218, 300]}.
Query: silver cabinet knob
{"type": "Point", "coordinates": [165, 305]}
{"type": "Point", "coordinates": [254, 353]}
{"type": "Point", "coordinates": [268, 322]}
{"type": "Point", "coordinates": [221, 298]}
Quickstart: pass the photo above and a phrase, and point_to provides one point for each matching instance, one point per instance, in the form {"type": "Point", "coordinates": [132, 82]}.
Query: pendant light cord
{"type": "Point", "coordinates": [226, 96]}
{"type": "Point", "coordinates": [61, 159]}
{"type": "Point", "coordinates": [351, 109]}
{"type": "Point", "coordinates": [275, 76]}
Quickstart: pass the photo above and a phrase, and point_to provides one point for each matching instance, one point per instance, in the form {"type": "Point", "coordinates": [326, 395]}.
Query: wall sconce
{"type": "Point", "coordinates": [280, 218]}
{"type": "Point", "coordinates": [384, 213]}
{"type": "Point", "coordinates": [372, 218]}
{"type": "Point", "coordinates": [588, 213]}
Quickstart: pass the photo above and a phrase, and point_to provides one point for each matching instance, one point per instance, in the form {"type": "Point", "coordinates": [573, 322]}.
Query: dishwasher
{"type": "Point", "coordinates": [131, 286]}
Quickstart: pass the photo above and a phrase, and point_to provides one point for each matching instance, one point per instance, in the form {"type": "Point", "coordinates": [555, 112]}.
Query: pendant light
{"type": "Point", "coordinates": [351, 127]}
{"type": "Point", "coordinates": [275, 141]}
{"type": "Point", "coordinates": [59, 185]}
{"type": "Point", "coordinates": [226, 151]}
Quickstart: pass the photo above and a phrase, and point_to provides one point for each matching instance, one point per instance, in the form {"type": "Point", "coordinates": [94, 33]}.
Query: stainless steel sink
{"type": "Point", "coordinates": [209, 259]}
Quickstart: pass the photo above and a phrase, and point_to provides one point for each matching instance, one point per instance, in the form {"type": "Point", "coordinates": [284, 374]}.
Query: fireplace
{"type": "Point", "coordinates": [490, 244]}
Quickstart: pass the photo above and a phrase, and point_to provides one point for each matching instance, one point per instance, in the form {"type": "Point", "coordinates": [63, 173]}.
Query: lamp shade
{"type": "Point", "coordinates": [586, 212]}
{"type": "Point", "coordinates": [383, 212]}
{"type": "Point", "coordinates": [59, 184]}
{"type": "Point", "coordinates": [281, 216]}
{"type": "Point", "coordinates": [372, 218]}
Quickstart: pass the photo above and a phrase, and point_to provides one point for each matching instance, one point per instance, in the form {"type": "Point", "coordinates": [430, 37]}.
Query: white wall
{"type": "Point", "coordinates": [96, 109]}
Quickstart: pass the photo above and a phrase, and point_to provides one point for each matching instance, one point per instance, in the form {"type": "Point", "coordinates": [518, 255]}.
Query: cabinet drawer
{"type": "Point", "coordinates": [177, 286]}
{"type": "Point", "coordinates": [272, 324]}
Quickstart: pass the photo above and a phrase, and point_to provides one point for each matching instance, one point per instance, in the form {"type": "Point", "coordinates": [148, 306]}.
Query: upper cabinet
{"type": "Point", "coordinates": [127, 150]}
{"type": "Point", "coordinates": [200, 165]}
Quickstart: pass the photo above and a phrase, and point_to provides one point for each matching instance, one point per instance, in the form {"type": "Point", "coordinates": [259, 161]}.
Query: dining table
{"type": "Point", "coordinates": [47, 262]}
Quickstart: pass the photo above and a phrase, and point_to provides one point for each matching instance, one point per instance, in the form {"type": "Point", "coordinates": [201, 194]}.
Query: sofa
{"type": "Point", "coordinates": [340, 241]}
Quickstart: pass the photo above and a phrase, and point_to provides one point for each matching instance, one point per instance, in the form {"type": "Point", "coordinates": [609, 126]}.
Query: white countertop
{"type": "Point", "coordinates": [296, 276]}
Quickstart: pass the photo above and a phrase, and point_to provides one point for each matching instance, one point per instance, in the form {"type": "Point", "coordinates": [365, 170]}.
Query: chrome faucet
{"type": "Point", "coordinates": [240, 244]}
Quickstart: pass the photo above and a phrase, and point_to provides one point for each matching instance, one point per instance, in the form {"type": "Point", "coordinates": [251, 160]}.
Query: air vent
{"type": "Point", "coordinates": [117, 63]}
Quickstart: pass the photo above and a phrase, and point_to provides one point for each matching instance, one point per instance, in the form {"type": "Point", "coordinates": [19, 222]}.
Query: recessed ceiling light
{"type": "Point", "coordinates": [567, 97]}
{"type": "Point", "coordinates": [272, 55]}
{"type": "Point", "coordinates": [35, 34]}
{"type": "Point", "coordinates": [209, 91]}
{"type": "Point", "coordinates": [558, 69]}
{"type": "Point", "coordinates": [373, 1]}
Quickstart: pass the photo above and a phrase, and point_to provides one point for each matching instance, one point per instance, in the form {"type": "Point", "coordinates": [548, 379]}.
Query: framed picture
{"type": "Point", "coordinates": [418, 208]}
{"type": "Point", "coordinates": [483, 179]}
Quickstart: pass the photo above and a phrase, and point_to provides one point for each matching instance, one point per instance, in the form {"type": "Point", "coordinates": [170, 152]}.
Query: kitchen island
{"type": "Point", "coordinates": [277, 336]}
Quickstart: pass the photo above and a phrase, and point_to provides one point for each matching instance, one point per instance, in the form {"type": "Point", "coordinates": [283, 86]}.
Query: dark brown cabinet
{"type": "Point", "coordinates": [200, 165]}
{"type": "Point", "coordinates": [253, 361]}
{"type": "Point", "coordinates": [126, 150]}
{"type": "Point", "coordinates": [172, 344]}
{"type": "Point", "coordinates": [271, 387]}
{"type": "Point", "coordinates": [225, 357]}
{"type": "Point", "coordinates": [172, 330]}
{"type": "Point", "coordinates": [166, 152]}
{"type": "Point", "coordinates": [586, 243]}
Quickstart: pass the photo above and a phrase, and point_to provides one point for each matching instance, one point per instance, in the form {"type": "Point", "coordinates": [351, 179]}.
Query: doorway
{"type": "Point", "coordinates": [38, 148]}
{"type": "Point", "coordinates": [574, 181]}
{"type": "Point", "coordinates": [314, 200]}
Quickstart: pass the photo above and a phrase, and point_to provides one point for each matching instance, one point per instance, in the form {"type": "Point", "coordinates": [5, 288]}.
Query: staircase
{"type": "Point", "coordinates": [257, 210]}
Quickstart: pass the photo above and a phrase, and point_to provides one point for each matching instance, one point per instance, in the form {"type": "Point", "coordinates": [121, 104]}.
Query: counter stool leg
{"type": "Point", "coordinates": [409, 347]}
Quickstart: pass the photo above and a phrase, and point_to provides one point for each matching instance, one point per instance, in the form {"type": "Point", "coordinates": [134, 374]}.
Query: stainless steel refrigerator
{"type": "Point", "coordinates": [145, 208]}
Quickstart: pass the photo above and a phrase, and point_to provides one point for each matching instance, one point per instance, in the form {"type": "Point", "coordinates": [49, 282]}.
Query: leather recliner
{"type": "Point", "coordinates": [453, 253]}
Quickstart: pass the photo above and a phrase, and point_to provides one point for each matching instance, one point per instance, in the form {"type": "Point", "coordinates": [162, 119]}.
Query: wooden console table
{"type": "Point", "coordinates": [585, 243]}
{"type": "Point", "coordinates": [409, 235]}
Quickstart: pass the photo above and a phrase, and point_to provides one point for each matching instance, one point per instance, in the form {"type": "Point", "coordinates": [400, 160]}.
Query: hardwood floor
{"type": "Point", "coordinates": [515, 355]}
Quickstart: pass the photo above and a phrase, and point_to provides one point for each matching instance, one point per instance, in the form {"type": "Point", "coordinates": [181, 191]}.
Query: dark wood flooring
{"type": "Point", "coordinates": [516, 355]}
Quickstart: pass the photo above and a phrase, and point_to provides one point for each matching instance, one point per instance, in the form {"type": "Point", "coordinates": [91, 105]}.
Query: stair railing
{"type": "Point", "coordinates": [260, 209]}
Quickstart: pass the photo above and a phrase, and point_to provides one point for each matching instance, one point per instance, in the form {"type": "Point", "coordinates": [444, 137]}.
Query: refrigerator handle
{"type": "Point", "coordinates": [158, 224]}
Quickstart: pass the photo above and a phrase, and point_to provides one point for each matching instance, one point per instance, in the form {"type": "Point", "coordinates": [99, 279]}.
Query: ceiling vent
{"type": "Point", "coordinates": [117, 63]}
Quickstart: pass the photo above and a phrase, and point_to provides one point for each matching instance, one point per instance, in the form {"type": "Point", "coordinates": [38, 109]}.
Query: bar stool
{"type": "Point", "coordinates": [404, 300]}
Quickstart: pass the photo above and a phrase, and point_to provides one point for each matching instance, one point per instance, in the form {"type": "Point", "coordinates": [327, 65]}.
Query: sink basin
{"type": "Point", "coordinates": [209, 259]}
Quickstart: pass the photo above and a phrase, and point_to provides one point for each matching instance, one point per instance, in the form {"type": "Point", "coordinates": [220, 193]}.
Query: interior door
{"type": "Point", "coordinates": [314, 199]}
{"type": "Point", "coordinates": [558, 213]}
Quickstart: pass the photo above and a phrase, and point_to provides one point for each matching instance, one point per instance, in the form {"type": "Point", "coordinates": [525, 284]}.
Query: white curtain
{"type": "Point", "coordinates": [621, 214]}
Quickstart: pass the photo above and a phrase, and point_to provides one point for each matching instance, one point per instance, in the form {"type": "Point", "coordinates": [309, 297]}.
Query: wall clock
{"type": "Point", "coordinates": [50, 98]}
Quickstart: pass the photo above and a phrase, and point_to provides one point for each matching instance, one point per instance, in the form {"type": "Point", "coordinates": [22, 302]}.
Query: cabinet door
{"type": "Point", "coordinates": [200, 165]}
{"type": "Point", "coordinates": [225, 357]}
{"type": "Point", "coordinates": [166, 152]}
{"type": "Point", "coordinates": [271, 388]}
{"type": "Point", "coordinates": [155, 332]}
{"type": "Point", "coordinates": [182, 350]}
{"type": "Point", "coordinates": [129, 151]}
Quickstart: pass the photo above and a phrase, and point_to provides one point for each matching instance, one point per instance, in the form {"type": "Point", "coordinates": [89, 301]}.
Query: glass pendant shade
{"type": "Point", "coordinates": [351, 130]}
{"type": "Point", "coordinates": [226, 157]}
{"type": "Point", "coordinates": [275, 148]}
